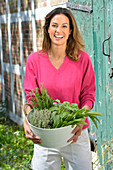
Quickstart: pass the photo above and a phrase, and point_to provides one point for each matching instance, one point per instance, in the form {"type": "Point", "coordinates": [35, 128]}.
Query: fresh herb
{"type": "Point", "coordinates": [41, 118]}
{"type": "Point", "coordinates": [41, 99]}
{"type": "Point", "coordinates": [65, 114]}
{"type": "Point", "coordinates": [50, 113]}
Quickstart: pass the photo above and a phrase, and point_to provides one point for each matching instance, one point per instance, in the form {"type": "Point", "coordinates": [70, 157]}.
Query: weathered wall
{"type": "Point", "coordinates": [21, 33]}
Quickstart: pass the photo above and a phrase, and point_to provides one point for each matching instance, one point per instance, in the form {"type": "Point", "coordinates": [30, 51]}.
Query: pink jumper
{"type": "Point", "coordinates": [73, 81]}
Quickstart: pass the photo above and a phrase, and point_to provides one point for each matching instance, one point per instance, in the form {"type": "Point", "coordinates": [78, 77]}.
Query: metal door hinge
{"type": "Point", "coordinates": [79, 7]}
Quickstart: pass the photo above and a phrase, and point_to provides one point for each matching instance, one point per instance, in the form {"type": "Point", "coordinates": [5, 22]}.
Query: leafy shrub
{"type": "Point", "coordinates": [15, 150]}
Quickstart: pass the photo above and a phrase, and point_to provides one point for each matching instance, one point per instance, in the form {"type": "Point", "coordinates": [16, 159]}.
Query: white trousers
{"type": "Point", "coordinates": [77, 156]}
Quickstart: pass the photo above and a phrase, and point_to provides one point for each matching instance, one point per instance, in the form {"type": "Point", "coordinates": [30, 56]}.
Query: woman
{"type": "Point", "coordinates": [66, 71]}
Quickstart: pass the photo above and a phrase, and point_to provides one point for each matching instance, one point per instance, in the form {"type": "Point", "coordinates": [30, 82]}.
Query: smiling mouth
{"type": "Point", "coordinates": [58, 36]}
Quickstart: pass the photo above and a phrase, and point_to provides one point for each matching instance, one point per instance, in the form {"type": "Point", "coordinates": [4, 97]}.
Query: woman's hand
{"type": "Point", "coordinates": [28, 132]}
{"type": "Point", "coordinates": [77, 132]}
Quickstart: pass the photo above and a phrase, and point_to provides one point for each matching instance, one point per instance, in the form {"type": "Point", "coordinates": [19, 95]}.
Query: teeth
{"type": "Point", "coordinates": [58, 36]}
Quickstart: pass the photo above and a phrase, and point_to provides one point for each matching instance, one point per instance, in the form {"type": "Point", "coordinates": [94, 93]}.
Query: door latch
{"type": "Point", "coordinates": [104, 50]}
{"type": "Point", "coordinates": [107, 39]}
{"type": "Point", "coordinates": [111, 74]}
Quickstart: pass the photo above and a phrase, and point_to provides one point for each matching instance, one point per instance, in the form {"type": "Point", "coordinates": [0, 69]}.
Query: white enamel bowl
{"type": "Point", "coordinates": [53, 138]}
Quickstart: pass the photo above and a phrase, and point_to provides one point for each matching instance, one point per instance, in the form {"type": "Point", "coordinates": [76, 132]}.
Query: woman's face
{"type": "Point", "coordinates": [59, 30]}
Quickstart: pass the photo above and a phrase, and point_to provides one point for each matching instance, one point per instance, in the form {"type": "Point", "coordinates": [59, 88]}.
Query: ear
{"type": "Point", "coordinates": [48, 30]}
{"type": "Point", "coordinates": [70, 32]}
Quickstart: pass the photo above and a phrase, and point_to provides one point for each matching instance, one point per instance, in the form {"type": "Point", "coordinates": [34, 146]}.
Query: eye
{"type": "Point", "coordinates": [64, 26]}
{"type": "Point", "coordinates": [53, 25]}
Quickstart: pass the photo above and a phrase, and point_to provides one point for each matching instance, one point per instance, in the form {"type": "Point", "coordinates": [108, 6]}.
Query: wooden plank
{"type": "Point", "coordinates": [33, 26]}
{"type": "Point", "coordinates": [21, 50]}
{"type": "Point", "coordinates": [98, 12]}
{"type": "Point", "coordinates": [10, 55]}
{"type": "Point", "coordinates": [2, 65]}
{"type": "Point", "coordinates": [85, 24]}
{"type": "Point", "coordinates": [109, 65]}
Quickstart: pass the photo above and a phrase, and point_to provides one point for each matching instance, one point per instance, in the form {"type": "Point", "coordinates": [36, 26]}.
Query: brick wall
{"type": "Point", "coordinates": [2, 7]}
{"type": "Point", "coordinates": [27, 39]}
{"type": "Point", "coordinates": [7, 84]}
{"type": "Point", "coordinates": [39, 33]}
{"type": "Point", "coordinates": [25, 5]}
{"type": "Point", "coordinates": [13, 91]}
{"type": "Point", "coordinates": [5, 44]}
{"type": "Point", "coordinates": [13, 6]}
{"type": "Point", "coordinates": [17, 83]}
{"type": "Point", "coordinates": [15, 43]}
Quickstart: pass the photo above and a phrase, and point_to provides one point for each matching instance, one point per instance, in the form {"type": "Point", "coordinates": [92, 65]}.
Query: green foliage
{"type": "Point", "coordinates": [65, 114]}
{"type": "Point", "coordinates": [3, 110]}
{"type": "Point", "coordinates": [15, 150]}
{"type": "Point", "coordinates": [60, 115]}
{"type": "Point", "coordinates": [41, 99]}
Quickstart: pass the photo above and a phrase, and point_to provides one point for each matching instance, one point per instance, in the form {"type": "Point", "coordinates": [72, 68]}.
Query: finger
{"type": "Point", "coordinates": [74, 132]}
{"type": "Point", "coordinates": [37, 141]}
{"type": "Point", "coordinates": [30, 135]}
{"type": "Point", "coordinates": [75, 129]}
{"type": "Point", "coordinates": [75, 139]}
{"type": "Point", "coordinates": [28, 131]}
{"type": "Point", "coordinates": [33, 137]}
{"type": "Point", "coordinates": [71, 138]}
{"type": "Point", "coordinates": [75, 136]}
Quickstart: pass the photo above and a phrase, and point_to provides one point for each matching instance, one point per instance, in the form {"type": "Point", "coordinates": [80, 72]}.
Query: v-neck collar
{"type": "Point", "coordinates": [61, 68]}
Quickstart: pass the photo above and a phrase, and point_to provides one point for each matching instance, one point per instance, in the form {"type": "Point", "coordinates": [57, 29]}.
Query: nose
{"type": "Point", "coordinates": [59, 29]}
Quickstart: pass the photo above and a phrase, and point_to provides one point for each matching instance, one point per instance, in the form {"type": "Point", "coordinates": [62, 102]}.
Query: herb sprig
{"type": "Point", "coordinates": [41, 99]}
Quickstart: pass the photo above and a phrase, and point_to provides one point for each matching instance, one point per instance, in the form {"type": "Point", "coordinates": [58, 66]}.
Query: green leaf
{"type": "Point", "coordinates": [95, 118]}
{"type": "Point", "coordinates": [58, 101]}
{"type": "Point", "coordinates": [54, 108]}
{"type": "Point", "coordinates": [95, 113]}
{"type": "Point", "coordinates": [78, 125]}
{"type": "Point", "coordinates": [78, 121]}
{"type": "Point", "coordinates": [94, 121]}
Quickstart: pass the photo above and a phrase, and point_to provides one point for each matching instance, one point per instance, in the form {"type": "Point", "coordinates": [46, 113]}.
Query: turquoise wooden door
{"type": "Point", "coordinates": [103, 34]}
{"type": "Point", "coordinates": [95, 20]}
{"type": "Point", "coordinates": [82, 11]}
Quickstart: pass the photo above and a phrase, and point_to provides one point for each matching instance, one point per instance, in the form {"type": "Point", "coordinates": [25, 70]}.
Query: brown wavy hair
{"type": "Point", "coordinates": [75, 41]}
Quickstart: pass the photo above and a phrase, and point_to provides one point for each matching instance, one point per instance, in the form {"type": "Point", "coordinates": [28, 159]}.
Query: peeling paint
{"type": "Point", "coordinates": [110, 91]}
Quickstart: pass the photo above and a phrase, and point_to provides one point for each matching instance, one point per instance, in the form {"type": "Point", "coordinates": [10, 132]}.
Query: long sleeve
{"type": "Point", "coordinates": [88, 87]}
{"type": "Point", "coordinates": [30, 80]}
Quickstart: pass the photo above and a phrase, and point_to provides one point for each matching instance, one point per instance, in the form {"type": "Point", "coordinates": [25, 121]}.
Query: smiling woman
{"type": "Point", "coordinates": [66, 71]}
{"type": "Point", "coordinates": [59, 30]}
